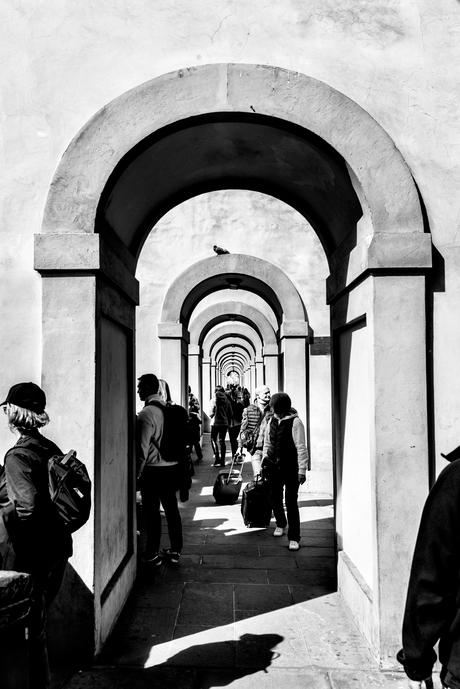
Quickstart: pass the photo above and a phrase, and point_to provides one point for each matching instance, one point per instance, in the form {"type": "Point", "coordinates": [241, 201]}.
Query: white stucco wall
{"type": "Point", "coordinates": [61, 62]}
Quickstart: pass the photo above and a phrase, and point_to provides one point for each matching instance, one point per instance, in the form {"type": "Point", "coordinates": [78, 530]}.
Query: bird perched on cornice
{"type": "Point", "coordinates": [219, 250]}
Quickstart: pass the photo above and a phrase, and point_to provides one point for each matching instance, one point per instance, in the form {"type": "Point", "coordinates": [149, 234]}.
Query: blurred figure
{"type": "Point", "coordinates": [253, 423]}
{"type": "Point", "coordinates": [235, 423]}
{"type": "Point", "coordinates": [285, 460]}
{"type": "Point", "coordinates": [220, 413]}
{"type": "Point", "coordinates": [194, 413]}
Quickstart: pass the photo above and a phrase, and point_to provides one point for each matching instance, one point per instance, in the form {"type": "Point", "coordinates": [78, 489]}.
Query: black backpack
{"type": "Point", "coordinates": [175, 438]}
{"type": "Point", "coordinates": [70, 489]}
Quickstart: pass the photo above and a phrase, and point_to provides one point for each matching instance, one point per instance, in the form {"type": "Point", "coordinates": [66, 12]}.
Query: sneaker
{"type": "Point", "coordinates": [278, 531]}
{"type": "Point", "coordinates": [153, 559]}
{"type": "Point", "coordinates": [198, 460]}
{"type": "Point", "coordinates": [172, 555]}
{"type": "Point", "coordinates": [294, 545]}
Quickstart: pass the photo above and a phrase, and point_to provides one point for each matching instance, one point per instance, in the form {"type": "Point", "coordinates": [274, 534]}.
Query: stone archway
{"type": "Point", "coordinates": [220, 313]}
{"type": "Point", "coordinates": [378, 253]}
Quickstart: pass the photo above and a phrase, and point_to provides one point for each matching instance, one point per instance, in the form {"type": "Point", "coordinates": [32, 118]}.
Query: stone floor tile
{"type": "Point", "coordinates": [251, 550]}
{"type": "Point", "coordinates": [305, 561]}
{"type": "Point", "coordinates": [312, 577]}
{"type": "Point", "coordinates": [235, 562]}
{"type": "Point", "coordinates": [128, 678]}
{"type": "Point", "coordinates": [331, 635]}
{"type": "Point", "coordinates": [254, 678]}
{"type": "Point", "coordinates": [209, 605]}
{"type": "Point", "coordinates": [197, 646]}
{"type": "Point", "coordinates": [367, 680]}
{"type": "Point", "coordinates": [287, 644]}
{"type": "Point", "coordinates": [135, 633]}
{"type": "Point", "coordinates": [219, 576]}
{"type": "Point", "coordinates": [301, 594]}
{"type": "Point", "coordinates": [261, 599]}
{"type": "Point", "coordinates": [161, 595]}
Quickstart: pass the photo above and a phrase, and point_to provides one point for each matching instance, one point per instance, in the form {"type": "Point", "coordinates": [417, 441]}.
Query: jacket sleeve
{"type": "Point", "coordinates": [433, 583]}
{"type": "Point", "coordinates": [244, 425]}
{"type": "Point", "coordinates": [144, 432]}
{"type": "Point", "coordinates": [298, 436]}
{"type": "Point", "coordinates": [20, 483]}
{"type": "Point", "coordinates": [212, 408]}
{"type": "Point", "coordinates": [266, 444]}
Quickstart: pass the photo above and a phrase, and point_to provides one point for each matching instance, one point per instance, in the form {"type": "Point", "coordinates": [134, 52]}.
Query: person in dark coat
{"type": "Point", "coordinates": [34, 539]}
{"type": "Point", "coordinates": [220, 413]}
{"type": "Point", "coordinates": [432, 610]}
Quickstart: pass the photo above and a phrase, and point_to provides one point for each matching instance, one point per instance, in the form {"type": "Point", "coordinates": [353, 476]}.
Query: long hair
{"type": "Point", "coordinates": [164, 391]}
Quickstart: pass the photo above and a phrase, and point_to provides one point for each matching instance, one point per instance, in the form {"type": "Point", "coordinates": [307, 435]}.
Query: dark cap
{"type": "Point", "coordinates": [28, 396]}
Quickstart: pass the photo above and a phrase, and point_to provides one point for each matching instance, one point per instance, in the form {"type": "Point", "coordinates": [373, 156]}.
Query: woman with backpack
{"type": "Point", "coordinates": [35, 540]}
{"type": "Point", "coordinates": [285, 461]}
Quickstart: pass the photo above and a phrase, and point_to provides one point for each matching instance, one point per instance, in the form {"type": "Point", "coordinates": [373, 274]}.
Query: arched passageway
{"type": "Point", "coordinates": [299, 140]}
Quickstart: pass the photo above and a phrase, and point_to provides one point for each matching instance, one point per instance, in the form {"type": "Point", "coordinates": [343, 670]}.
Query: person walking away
{"type": "Point", "coordinates": [235, 424]}
{"type": "Point", "coordinates": [252, 421]}
{"type": "Point", "coordinates": [285, 460]}
{"type": "Point", "coordinates": [220, 413]}
{"type": "Point", "coordinates": [432, 611]}
{"type": "Point", "coordinates": [159, 478]}
{"type": "Point", "coordinates": [35, 540]}
{"type": "Point", "coordinates": [194, 413]}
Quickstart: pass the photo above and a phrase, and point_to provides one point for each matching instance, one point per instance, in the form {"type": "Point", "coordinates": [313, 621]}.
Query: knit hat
{"type": "Point", "coordinates": [28, 396]}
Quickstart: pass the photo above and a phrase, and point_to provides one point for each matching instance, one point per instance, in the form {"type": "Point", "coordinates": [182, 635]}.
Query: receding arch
{"type": "Point", "coordinates": [228, 91]}
{"type": "Point", "coordinates": [228, 311]}
{"type": "Point", "coordinates": [240, 270]}
{"type": "Point", "coordinates": [233, 332]}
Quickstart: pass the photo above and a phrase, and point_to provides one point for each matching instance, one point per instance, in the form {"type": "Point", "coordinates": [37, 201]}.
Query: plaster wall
{"type": "Point", "coordinates": [61, 63]}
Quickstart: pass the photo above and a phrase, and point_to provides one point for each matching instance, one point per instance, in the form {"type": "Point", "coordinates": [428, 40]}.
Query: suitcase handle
{"type": "Point", "coordinates": [227, 481]}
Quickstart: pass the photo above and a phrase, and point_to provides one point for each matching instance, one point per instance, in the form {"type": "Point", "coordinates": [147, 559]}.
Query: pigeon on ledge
{"type": "Point", "coordinates": [219, 250]}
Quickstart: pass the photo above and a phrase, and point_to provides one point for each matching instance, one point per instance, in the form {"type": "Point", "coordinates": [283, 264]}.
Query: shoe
{"type": "Point", "coordinates": [154, 559]}
{"type": "Point", "coordinates": [294, 545]}
{"type": "Point", "coordinates": [218, 464]}
{"type": "Point", "coordinates": [198, 460]}
{"type": "Point", "coordinates": [278, 531]}
{"type": "Point", "coordinates": [172, 555]}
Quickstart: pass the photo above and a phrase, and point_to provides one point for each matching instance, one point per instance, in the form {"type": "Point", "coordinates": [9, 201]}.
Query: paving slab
{"type": "Point", "coordinates": [209, 605]}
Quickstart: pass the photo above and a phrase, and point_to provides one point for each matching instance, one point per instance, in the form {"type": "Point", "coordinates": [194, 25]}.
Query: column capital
{"type": "Point", "coordinates": [173, 331]}
{"type": "Point", "coordinates": [294, 329]}
{"type": "Point", "coordinates": [380, 252]}
{"type": "Point", "coordinates": [270, 350]}
{"type": "Point", "coordinates": [61, 254]}
{"type": "Point", "coordinates": [206, 361]}
{"type": "Point", "coordinates": [194, 350]}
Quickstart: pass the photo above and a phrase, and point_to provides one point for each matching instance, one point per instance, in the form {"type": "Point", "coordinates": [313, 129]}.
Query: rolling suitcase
{"type": "Point", "coordinates": [227, 487]}
{"type": "Point", "coordinates": [256, 504]}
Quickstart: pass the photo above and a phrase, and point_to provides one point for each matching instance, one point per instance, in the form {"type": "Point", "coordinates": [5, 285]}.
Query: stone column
{"type": "Point", "coordinates": [206, 395]}
{"type": "Point", "coordinates": [174, 340]}
{"type": "Point", "coordinates": [89, 296]}
{"type": "Point", "coordinates": [252, 377]}
{"type": "Point", "coordinates": [270, 357]}
{"type": "Point", "coordinates": [260, 374]}
{"type": "Point", "coordinates": [378, 312]}
{"type": "Point", "coordinates": [194, 378]}
{"type": "Point", "coordinates": [293, 343]}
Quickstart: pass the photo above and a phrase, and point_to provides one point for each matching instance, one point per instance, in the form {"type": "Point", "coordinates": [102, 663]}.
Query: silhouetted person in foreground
{"type": "Point", "coordinates": [432, 611]}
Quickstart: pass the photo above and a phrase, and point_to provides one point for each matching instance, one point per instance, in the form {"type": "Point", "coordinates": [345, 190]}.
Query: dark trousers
{"type": "Point", "coordinates": [291, 486]}
{"type": "Point", "coordinates": [218, 434]}
{"type": "Point", "coordinates": [44, 592]}
{"type": "Point", "coordinates": [233, 433]}
{"type": "Point", "coordinates": [195, 432]}
{"type": "Point", "coordinates": [159, 485]}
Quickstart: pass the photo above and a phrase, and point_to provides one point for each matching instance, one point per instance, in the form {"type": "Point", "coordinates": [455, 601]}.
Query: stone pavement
{"type": "Point", "coordinates": [239, 610]}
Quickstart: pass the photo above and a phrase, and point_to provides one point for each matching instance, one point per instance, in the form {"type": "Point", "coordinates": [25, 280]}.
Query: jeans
{"type": "Point", "coordinates": [159, 484]}
{"type": "Point", "coordinates": [219, 433]}
{"type": "Point", "coordinates": [291, 485]}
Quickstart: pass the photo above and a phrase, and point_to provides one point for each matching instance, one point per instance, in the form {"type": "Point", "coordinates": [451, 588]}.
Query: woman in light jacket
{"type": "Point", "coordinates": [285, 461]}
